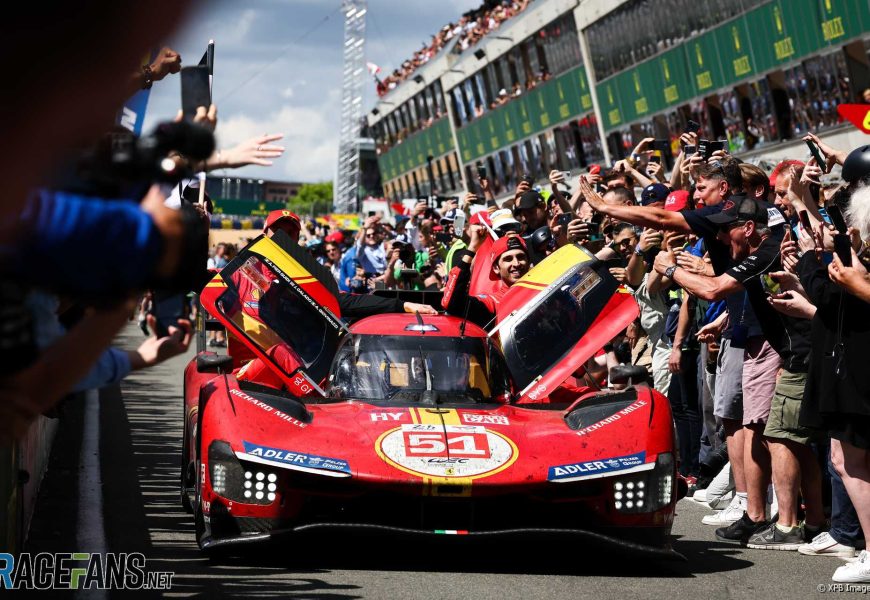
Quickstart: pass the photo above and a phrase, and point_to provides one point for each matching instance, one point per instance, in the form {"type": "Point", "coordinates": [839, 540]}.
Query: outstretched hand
{"type": "Point", "coordinates": [257, 150]}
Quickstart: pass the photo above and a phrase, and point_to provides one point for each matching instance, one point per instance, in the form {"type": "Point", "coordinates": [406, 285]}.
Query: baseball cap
{"type": "Point", "coordinates": [502, 245]}
{"type": "Point", "coordinates": [448, 216]}
{"type": "Point", "coordinates": [336, 237]}
{"type": "Point", "coordinates": [654, 192]}
{"type": "Point", "coordinates": [529, 199]}
{"type": "Point", "coordinates": [402, 239]}
{"type": "Point", "coordinates": [277, 215]}
{"type": "Point", "coordinates": [481, 217]}
{"type": "Point", "coordinates": [740, 208]}
{"type": "Point", "coordinates": [503, 221]}
{"type": "Point", "coordinates": [677, 200]}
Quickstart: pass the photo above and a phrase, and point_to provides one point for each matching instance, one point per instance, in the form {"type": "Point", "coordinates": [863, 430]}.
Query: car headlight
{"type": "Point", "coordinates": [250, 483]}
{"type": "Point", "coordinates": [648, 491]}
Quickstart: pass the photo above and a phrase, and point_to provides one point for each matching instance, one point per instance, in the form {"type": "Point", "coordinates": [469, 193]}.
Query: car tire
{"type": "Point", "coordinates": [185, 468]}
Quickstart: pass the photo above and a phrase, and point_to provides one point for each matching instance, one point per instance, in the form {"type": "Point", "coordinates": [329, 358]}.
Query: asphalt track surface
{"type": "Point", "coordinates": [140, 437]}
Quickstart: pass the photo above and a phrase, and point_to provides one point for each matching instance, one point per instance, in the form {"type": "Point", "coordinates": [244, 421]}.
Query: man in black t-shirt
{"type": "Point", "coordinates": [744, 229]}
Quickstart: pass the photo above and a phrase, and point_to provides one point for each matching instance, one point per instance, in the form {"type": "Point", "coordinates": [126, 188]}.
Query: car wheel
{"type": "Point", "coordinates": [198, 517]}
{"type": "Point", "coordinates": [185, 469]}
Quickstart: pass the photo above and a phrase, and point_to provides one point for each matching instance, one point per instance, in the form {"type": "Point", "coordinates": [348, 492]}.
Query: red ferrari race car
{"type": "Point", "coordinates": [421, 425]}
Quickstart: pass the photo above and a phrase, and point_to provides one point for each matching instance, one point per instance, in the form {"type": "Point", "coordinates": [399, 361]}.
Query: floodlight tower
{"type": "Point", "coordinates": [347, 183]}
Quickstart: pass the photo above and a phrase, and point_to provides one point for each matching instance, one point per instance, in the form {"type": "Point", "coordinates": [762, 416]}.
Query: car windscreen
{"type": "Point", "coordinates": [401, 368]}
{"type": "Point", "coordinates": [553, 323]}
{"type": "Point", "coordinates": [275, 316]}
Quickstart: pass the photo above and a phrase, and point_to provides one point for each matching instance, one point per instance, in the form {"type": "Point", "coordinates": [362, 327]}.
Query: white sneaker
{"type": "Point", "coordinates": [854, 572]}
{"type": "Point", "coordinates": [700, 496]}
{"type": "Point", "coordinates": [733, 512]}
{"type": "Point", "coordinates": [824, 545]}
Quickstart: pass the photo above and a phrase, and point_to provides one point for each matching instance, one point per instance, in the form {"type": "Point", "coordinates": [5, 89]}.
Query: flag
{"type": "Point", "coordinates": [857, 114]}
{"type": "Point", "coordinates": [373, 69]}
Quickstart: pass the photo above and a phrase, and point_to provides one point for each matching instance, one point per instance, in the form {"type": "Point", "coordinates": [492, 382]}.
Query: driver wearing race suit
{"type": "Point", "coordinates": [510, 261]}
{"type": "Point", "coordinates": [509, 258]}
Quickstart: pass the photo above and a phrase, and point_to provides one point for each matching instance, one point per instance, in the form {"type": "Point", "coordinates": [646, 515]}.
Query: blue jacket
{"type": "Point", "coordinates": [82, 244]}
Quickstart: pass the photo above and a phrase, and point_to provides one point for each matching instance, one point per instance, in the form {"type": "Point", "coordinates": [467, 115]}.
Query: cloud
{"type": "Point", "coordinates": [278, 68]}
{"type": "Point", "coordinates": [310, 139]}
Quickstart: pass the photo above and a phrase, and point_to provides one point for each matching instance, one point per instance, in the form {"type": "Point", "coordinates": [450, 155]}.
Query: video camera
{"type": "Point", "coordinates": [122, 162]}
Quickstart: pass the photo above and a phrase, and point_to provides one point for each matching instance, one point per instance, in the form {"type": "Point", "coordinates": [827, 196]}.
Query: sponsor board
{"type": "Point", "coordinates": [294, 459]}
{"type": "Point", "coordinates": [598, 468]}
{"type": "Point", "coordinates": [448, 451]}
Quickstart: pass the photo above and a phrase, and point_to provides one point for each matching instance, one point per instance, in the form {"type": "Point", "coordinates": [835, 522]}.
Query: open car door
{"type": "Point", "coordinates": [558, 316]}
{"type": "Point", "coordinates": [284, 306]}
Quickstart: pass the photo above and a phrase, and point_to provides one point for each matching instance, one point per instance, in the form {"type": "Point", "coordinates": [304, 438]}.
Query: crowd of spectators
{"type": "Point", "coordinates": [753, 287]}
{"type": "Point", "coordinates": [469, 29]}
{"type": "Point", "coordinates": [750, 322]}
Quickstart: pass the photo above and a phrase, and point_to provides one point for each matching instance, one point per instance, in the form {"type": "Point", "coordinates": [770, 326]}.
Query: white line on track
{"type": "Point", "coordinates": [90, 531]}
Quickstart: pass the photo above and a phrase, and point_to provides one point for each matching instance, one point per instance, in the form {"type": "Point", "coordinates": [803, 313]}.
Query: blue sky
{"type": "Point", "coordinates": [268, 80]}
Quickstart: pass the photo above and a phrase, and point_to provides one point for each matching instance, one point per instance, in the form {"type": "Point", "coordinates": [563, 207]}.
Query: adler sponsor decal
{"type": "Point", "coordinates": [596, 467]}
{"type": "Point", "coordinates": [299, 459]}
{"type": "Point", "coordinates": [612, 418]}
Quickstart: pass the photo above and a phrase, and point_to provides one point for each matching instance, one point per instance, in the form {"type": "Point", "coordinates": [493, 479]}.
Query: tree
{"type": "Point", "coordinates": [313, 199]}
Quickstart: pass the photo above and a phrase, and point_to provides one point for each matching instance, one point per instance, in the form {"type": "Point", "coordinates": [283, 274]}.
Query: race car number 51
{"type": "Point", "coordinates": [455, 444]}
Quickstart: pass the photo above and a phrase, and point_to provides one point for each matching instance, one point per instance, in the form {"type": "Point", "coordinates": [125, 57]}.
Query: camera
{"type": "Point", "coordinates": [120, 161]}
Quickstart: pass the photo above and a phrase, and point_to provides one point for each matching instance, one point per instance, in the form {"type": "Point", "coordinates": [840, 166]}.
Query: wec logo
{"type": "Point", "coordinates": [80, 571]}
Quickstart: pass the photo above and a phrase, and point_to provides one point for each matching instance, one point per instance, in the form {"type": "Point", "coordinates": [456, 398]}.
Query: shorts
{"type": "Point", "coordinates": [760, 366]}
{"type": "Point", "coordinates": [728, 395]}
{"type": "Point", "coordinates": [785, 408]}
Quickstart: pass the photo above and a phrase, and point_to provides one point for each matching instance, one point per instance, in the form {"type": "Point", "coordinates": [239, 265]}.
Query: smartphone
{"type": "Point", "coordinates": [566, 175]}
{"type": "Point", "coordinates": [817, 154]}
{"type": "Point", "coordinates": [662, 146]}
{"type": "Point", "coordinates": [655, 158]}
{"type": "Point", "coordinates": [770, 286]}
{"type": "Point", "coordinates": [689, 150]}
{"type": "Point", "coordinates": [564, 219]}
{"type": "Point", "coordinates": [843, 248]}
{"type": "Point", "coordinates": [804, 217]}
{"type": "Point", "coordinates": [444, 238]}
{"type": "Point", "coordinates": [408, 273]}
{"type": "Point", "coordinates": [595, 169]}
{"type": "Point", "coordinates": [713, 147]}
{"type": "Point", "coordinates": [168, 309]}
{"type": "Point", "coordinates": [702, 148]}
{"type": "Point", "coordinates": [481, 171]}
{"type": "Point", "coordinates": [194, 90]}
{"type": "Point", "coordinates": [527, 178]}
{"type": "Point", "coordinates": [693, 126]}
{"type": "Point", "coordinates": [837, 219]}
{"type": "Point", "coordinates": [594, 227]}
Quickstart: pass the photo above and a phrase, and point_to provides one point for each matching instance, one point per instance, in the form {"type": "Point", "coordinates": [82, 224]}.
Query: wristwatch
{"type": "Point", "coordinates": [638, 251]}
{"type": "Point", "coordinates": [669, 272]}
{"type": "Point", "coordinates": [147, 77]}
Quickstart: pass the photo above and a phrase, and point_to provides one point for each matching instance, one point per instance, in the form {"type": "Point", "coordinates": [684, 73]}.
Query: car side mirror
{"type": "Point", "coordinates": [628, 375]}
{"type": "Point", "coordinates": [210, 362]}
